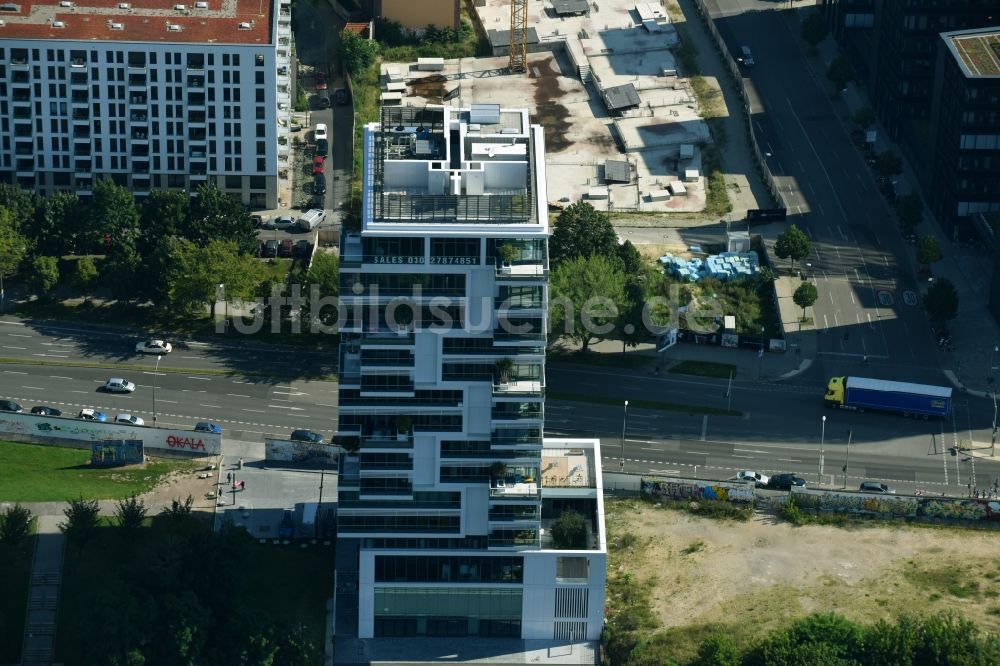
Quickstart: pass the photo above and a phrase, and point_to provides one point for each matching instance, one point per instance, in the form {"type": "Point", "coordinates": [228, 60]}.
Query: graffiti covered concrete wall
{"type": "Point", "coordinates": [299, 452]}
{"type": "Point", "coordinates": [694, 489]}
{"type": "Point", "coordinates": [898, 506]}
{"type": "Point", "coordinates": [33, 427]}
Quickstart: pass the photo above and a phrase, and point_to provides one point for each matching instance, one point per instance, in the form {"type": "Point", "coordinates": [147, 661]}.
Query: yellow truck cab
{"type": "Point", "coordinates": [834, 392]}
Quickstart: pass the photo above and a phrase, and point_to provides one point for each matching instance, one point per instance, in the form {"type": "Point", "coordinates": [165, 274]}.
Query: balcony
{"type": "Point", "coordinates": [196, 118]}
{"type": "Point", "coordinates": [79, 98]}
{"type": "Point", "coordinates": [139, 117]}
{"type": "Point", "coordinates": [382, 338]}
{"type": "Point", "coordinates": [519, 387]}
{"type": "Point", "coordinates": [19, 63]}
{"type": "Point", "coordinates": [140, 150]}
{"type": "Point", "coordinates": [196, 82]}
{"type": "Point", "coordinates": [81, 132]}
{"type": "Point", "coordinates": [195, 63]}
{"type": "Point", "coordinates": [383, 439]}
{"type": "Point", "coordinates": [78, 80]}
{"type": "Point", "coordinates": [22, 113]}
{"type": "Point", "coordinates": [78, 63]}
{"type": "Point", "coordinates": [137, 99]}
{"type": "Point", "coordinates": [199, 172]}
{"type": "Point", "coordinates": [82, 150]}
{"type": "Point", "coordinates": [196, 100]}
{"type": "Point", "coordinates": [137, 68]}
{"type": "Point", "coordinates": [25, 167]}
{"type": "Point", "coordinates": [508, 338]}
{"type": "Point", "coordinates": [140, 135]}
{"type": "Point", "coordinates": [21, 96]}
{"type": "Point", "coordinates": [515, 539]}
{"type": "Point", "coordinates": [137, 80]}
{"type": "Point", "coordinates": [521, 272]}
{"type": "Point", "coordinates": [197, 135]}
{"type": "Point", "coordinates": [197, 154]}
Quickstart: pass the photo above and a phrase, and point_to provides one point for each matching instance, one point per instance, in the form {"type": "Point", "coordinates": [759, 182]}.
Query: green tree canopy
{"type": "Point", "coordinates": [15, 524]}
{"type": "Point", "coordinates": [792, 244]}
{"type": "Point", "coordinates": [805, 295]}
{"type": "Point", "coordinates": [928, 250]}
{"type": "Point", "coordinates": [56, 224]}
{"type": "Point", "coordinates": [44, 274]}
{"type": "Point", "coordinates": [864, 117]}
{"type": "Point", "coordinates": [85, 275]}
{"type": "Point", "coordinates": [588, 295]}
{"type": "Point", "coordinates": [356, 52]}
{"type": "Point", "coordinates": [582, 231]}
{"type": "Point", "coordinates": [81, 520]}
{"type": "Point", "coordinates": [840, 71]}
{"type": "Point", "coordinates": [910, 211]}
{"type": "Point", "coordinates": [941, 301]}
{"type": "Point", "coordinates": [569, 531]}
{"type": "Point", "coordinates": [888, 164]}
{"type": "Point", "coordinates": [14, 245]}
{"type": "Point", "coordinates": [216, 215]}
{"type": "Point", "coordinates": [121, 271]}
{"type": "Point", "coordinates": [164, 214]}
{"type": "Point", "coordinates": [21, 204]}
{"type": "Point", "coordinates": [814, 28]}
{"type": "Point", "coordinates": [631, 259]}
{"type": "Point", "coordinates": [112, 210]}
{"type": "Point", "coordinates": [195, 274]}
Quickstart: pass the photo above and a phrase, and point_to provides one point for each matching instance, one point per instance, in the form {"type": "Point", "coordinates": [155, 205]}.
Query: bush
{"type": "Point", "coordinates": [569, 531]}
{"type": "Point", "coordinates": [15, 524]}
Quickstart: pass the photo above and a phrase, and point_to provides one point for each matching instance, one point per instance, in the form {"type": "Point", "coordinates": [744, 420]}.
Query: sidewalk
{"type": "Point", "coordinates": [975, 333]}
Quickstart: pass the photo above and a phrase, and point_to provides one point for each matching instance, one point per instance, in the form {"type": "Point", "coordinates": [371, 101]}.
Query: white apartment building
{"type": "Point", "coordinates": [158, 95]}
{"type": "Point", "coordinates": [446, 507]}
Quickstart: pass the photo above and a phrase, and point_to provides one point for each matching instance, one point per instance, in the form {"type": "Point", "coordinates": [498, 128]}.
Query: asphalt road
{"type": "Point", "coordinates": [860, 264]}
{"type": "Point", "coordinates": [779, 430]}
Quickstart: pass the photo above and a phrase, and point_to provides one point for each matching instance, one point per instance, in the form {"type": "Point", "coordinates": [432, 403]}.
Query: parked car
{"type": "Point", "coordinates": [129, 419]}
{"type": "Point", "coordinates": [319, 184]}
{"type": "Point", "coordinates": [285, 248]}
{"type": "Point", "coordinates": [207, 426]}
{"type": "Point", "coordinates": [745, 56]}
{"type": "Point", "coordinates": [340, 95]}
{"type": "Point", "coordinates": [876, 487]}
{"type": "Point", "coordinates": [321, 83]}
{"type": "Point", "coordinates": [323, 101]}
{"type": "Point", "coordinates": [322, 147]}
{"type": "Point", "coordinates": [46, 411]}
{"type": "Point", "coordinates": [302, 248]}
{"type": "Point", "coordinates": [307, 436]}
{"type": "Point", "coordinates": [320, 132]}
{"type": "Point", "coordinates": [284, 221]}
{"type": "Point", "coordinates": [287, 525]}
{"type": "Point", "coordinates": [258, 220]}
{"type": "Point", "coordinates": [92, 415]}
{"type": "Point", "coordinates": [295, 126]}
{"type": "Point", "coordinates": [268, 224]}
{"type": "Point", "coordinates": [118, 385]}
{"type": "Point", "coordinates": [747, 475]}
{"type": "Point", "coordinates": [10, 406]}
{"type": "Point", "coordinates": [269, 248]}
{"type": "Point", "coordinates": [318, 161]}
{"type": "Point", "coordinates": [785, 481]}
{"type": "Point", "coordinates": [154, 347]}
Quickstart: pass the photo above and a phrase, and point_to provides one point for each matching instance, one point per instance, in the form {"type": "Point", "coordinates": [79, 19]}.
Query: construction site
{"type": "Point", "coordinates": [622, 125]}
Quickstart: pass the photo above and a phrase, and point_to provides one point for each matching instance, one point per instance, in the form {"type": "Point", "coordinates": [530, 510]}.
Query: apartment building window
{"type": "Point", "coordinates": [259, 78]}
{"type": "Point", "coordinates": [260, 113]}
{"type": "Point", "coordinates": [225, 60]}
{"type": "Point", "coordinates": [260, 129]}
{"type": "Point", "coordinates": [260, 95]}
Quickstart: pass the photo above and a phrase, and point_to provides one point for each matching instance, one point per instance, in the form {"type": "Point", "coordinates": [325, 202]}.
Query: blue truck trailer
{"type": "Point", "coordinates": [860, 393]}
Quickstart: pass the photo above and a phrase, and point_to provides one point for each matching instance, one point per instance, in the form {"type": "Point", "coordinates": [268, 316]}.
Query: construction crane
{"type": "Point", "coordinates": [518, 36]}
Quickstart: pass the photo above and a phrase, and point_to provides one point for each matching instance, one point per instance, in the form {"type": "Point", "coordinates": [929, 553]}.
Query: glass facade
{"type": "Point", "coordinates": [471, 612]}
{"type": "Point", "coordinates": [448, 569]}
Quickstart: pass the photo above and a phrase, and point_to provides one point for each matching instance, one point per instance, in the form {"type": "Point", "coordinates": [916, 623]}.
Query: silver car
{"type": "Point", "coordinates": [118, 385]}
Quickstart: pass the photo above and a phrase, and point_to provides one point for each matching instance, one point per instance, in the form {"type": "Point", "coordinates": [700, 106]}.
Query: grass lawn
{"type": "Point", "coordinates": [644, 404]}
{"type": "Point", "coordinates": [15, 563]}
{"type": "Point", "coordinates": [704, 369]}
{"type": "Point", "coordinates": [35, 473]}
{"type": "Point", "coordinates": [630, 361]}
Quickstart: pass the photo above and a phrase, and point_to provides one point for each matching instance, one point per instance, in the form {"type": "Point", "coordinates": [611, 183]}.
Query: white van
{"type": "Point", "coordinates": [311, 219]}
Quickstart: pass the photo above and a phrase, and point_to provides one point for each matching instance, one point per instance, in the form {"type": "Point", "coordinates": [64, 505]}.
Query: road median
{"type": "Point", "coordinates": [219, 372]}
{"type": "Point", "coordinates": [642, 404]}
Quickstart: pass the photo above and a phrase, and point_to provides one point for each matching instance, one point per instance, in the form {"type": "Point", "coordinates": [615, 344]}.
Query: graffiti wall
{"type": "Point", "coordinates": [694, 489]}
{"type": "Point", "coordinates": [116, 452]}
{"type": "Point", "coordinates": [299, 452]}
{"type": "Point", "coordinates": [29, 427]}
{"type": "Point", "coordinates": [898, 506]}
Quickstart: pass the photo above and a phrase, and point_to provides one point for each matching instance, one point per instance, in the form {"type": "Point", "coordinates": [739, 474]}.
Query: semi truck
{"type": "Point", "coordinates": [860, 393]}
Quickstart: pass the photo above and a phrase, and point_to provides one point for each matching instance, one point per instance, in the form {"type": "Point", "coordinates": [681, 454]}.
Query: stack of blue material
{"type": "Point", "coordinates": [725, 266]}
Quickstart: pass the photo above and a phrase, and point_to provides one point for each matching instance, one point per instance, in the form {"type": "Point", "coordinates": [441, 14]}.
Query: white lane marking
{"type": "Point", "coordinates": [197, 344]}
{"type": "Point", "coordinates": [211, 406]}
{"type": "Point", "coordinates": [237, 395]}
{"type": "Point", "coordinates": [197, 358]}
{"type": "Point", "coordinates": [258, 411]}
{"type": "Point", "coordinates": [19, 335]}
{"type": "Point", "coordinates": [157, 374]}
{"type": "Point", "coordinates": [704, 427]}
{"type": "Point", "coordinates": [50, 355]}
{"type": "Point", "coordinates": [294, 409]}
{"type": "Point", "coordinates": [56, 344]}
{"type": "Point", "coordinates": [9, 347]}
{"type": "Point", "coordinates": [789, 460]}
{"type": "Point", "coordinates": [84, 392]}
{"type": "Point", "coordinates": [204, 379]}
{"type": "Point", "coordinates": [33, 388]}
{"type": "Point", "coordinates": [172, 402]}
{"type": "Point", "coordinates": [851, 294]}
{"type": "Point", "coordinates": [58, 377]}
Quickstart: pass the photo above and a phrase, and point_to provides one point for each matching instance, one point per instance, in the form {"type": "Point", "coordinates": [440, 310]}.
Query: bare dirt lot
{"type": "Point", "coordinates": [746, 578]}
{"type": "Point", "coordinates": [178, 485]}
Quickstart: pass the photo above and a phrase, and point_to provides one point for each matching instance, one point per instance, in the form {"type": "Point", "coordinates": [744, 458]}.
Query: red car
{"type": "Point", "coordinates": [285, 248]}
{"type": "Point", "coordinates": [320, 81]}
{"type": "Point", "coordinates": [318, 164]}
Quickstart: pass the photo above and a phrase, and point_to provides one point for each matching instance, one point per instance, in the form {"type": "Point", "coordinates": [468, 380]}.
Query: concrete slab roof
{"type": "Point", "coordinates": [617, 171]}
{"type": "Point", "coordinates": [621, 97]}
{"type": "Point", "coordinates": [502, 37]}
{"type": "Point", "coordinates": [564, 7]}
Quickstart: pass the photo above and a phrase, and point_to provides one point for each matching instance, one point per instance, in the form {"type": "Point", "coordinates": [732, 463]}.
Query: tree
{"type": "Point", "coordinates": [20, 203]}
{"type": "Point", "coordinates": [582, 231]}
{"type": "Point", "coordinates": [195, 273]}
{"type": "Point", "coordinates": [805, 296]}
{"type": "Point", "coordinates": [56, 224]}
{"type": "Point", "coordinates": [631, 326]}
{"type": "Point", "coordinates": [217, 215]}
{"type": "Point", "coordinates": [793, 245]}
{"type": "Point", "coordinates": [121, 271]}
{"type": "Point", "coordinates": [81, 520]}
{"type": "Point", "coordinates": [814, 28]}
{"type": "Point", "coordinates": [15, 525]}
{"type": "Point", "coordinates": [569, 531]}
{"type": "Point", "coordinates": [864, 117]}
{"type": "Point", "coordinates": [164, 214]}
{"type": "Point", "coordinates": [85, 275]}
{"type": "Point", "coordinates": [112, 211]}
{"type": "Point", "coordinates": [928, 250]}
{"type": "Point", "coordinates": [323, 279]}
{"type": "Point", "coordinates": [588, 295]}
{"type": "Point", "coordinates": [356, 52]}
{"type": "Point", "coordinates": [130, 512]}
{"type": "Point", "coordinates": [14, 245]}
{"type": "Point", "coordinates": [631, 259]}
{"type": "Point", "coordinates": [941, 301]}
{"type": "Point", "coordinates": [910, 211]}
{"type": "Point", "coordinates": [44, 274]}
{"type": "Point", "coordinates": [718, 650]}
{"type": "Point", "coordinates": [887, 164]}
{"type": "Point", "coordinates": [840, 71]}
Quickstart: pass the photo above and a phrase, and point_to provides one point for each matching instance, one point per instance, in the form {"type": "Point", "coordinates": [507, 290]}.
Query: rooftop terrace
{"type": "Point", "coordinates": [978, 51]}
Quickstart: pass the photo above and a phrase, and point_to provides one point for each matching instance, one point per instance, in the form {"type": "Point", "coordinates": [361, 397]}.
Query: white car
{"type": "Point", "coordinates": [129, 419]}
{"type": "Point", "coordinates": [319, 132]}
{"type": "Point", "coordinates": [758, 478]}
{"type": "Point", "coordinates": [118, 385]}
{"type": "Point", "coordinates": [91, 415]}
{"type": "Point", "coordinates": [154, 347]}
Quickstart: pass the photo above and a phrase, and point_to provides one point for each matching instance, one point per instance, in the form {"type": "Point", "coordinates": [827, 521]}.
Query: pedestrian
{"type": "Point", "coordinates": [241, 463]}
{"type": "Point", "coordinates": [229, 477]}
{"type": "Point", "coordinates": [243, 485]}
{"type": "Point", "coordinates": [866, 359]}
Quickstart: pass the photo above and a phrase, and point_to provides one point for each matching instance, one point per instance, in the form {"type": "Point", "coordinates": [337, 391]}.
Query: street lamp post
{"type": "Point", "coordinates": [822, 439]}
{"type": "Point", "coordinates": [847, 462]}
{"type": "Point", "coordinates": [993, 444]}
{"type": "Point", "coordinates": [989, 377]}
{"type": "Point", "coordinates": [156, 372]}
{"type": "Point", "coordinates": [760, 353]}
{"type": "Point", "coordinates": [621, 459]}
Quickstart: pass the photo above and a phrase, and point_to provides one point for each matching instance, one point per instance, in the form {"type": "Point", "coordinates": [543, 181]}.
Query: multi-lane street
{"type": "Point", "coordinates": [860, 264]}
{"type": "Point", "coordinates": [779, 426]}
